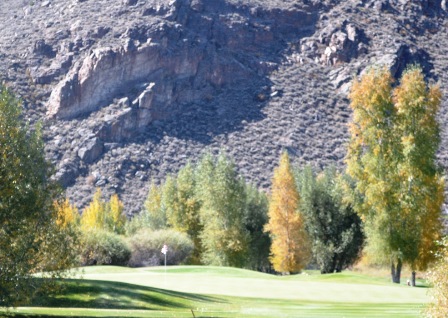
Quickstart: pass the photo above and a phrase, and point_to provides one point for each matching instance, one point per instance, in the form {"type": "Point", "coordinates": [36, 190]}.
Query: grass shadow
{"type": "Point", "coordinates": [116, 295]}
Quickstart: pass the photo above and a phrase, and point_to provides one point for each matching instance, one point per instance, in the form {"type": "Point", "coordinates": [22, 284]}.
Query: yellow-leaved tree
{"type": "Point", "coordinates": [104, 215]}
{"type": "Point", "coordinates": [398, 186]}
{"type": "Point", "coordinates": [438, 307]}
{"type": "Point", "coordinates": [94, 215]}
{"type": "Point", "coordinates": [116, 217]}
{"type": "Point", "coordinates": [67, 214]}
{"type": "Point", "coordinates": [290, 249]}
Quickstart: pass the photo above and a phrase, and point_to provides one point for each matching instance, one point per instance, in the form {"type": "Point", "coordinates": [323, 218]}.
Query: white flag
{"type": "Point", "coordinates": [164, 249]}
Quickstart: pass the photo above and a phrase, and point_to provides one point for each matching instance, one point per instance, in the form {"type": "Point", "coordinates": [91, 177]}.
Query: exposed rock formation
{"type": "Point", "coordinates": [184, 63]}
{"type": "Point", "coordinates": [129, 90]}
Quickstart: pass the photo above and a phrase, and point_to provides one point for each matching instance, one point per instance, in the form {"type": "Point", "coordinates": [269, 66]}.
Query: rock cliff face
{"type": "Point", "coordinates": [129, 90]}
{"type": "Point", "coordinates": [177, 61]}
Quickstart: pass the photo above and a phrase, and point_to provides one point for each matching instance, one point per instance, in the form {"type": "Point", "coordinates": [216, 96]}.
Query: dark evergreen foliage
{"type": "Point", "coordinates": [334, 228]}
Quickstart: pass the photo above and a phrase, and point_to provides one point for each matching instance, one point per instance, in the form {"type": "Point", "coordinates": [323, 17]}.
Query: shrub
{"type": "Point", "coordinates": [437, 276]}
{"type": "Point", "coordinates": [146, 246]}
{"type": "Point", "coordinates": [100, 247]}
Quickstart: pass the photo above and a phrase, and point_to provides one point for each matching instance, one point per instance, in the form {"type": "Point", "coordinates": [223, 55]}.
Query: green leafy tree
{"type": "Point", "coordinates": [334, 228]}
{"type": "Point", "coordinates": [210, 203]}
{"type": "Point", "coordinates": [221, 190]}
{"type": "Point", "coordinates": [254, 221]}
{"type": "Point", "coordinates": [421, 193]}
{"type": "Point", "coordinates": [154, 212]}
{"type": "Point", "coordinates": [183, 206]}
{"type": "Point", "coordinates": [391, 157]}
{"type": "Point", "coordinates": [31, 240]}
{"type": "Point", "coordinates": [290, 250]}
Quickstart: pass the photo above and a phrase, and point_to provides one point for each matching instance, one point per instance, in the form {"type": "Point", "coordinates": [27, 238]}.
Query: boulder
{"type": "Point", "coordinates": [405, 56]}
{"type": "Point", "coordinates": [42, 48]}
{"type": "Point", "coordinates": [344, 45]}
{"type": "Point", "coordinates": [91, 150]}
{"type": "Point", "coordinates": [67, 172]}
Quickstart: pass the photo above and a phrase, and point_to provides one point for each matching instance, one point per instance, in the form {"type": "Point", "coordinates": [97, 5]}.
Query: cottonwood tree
{"type": "Point", "coordinates": [94, 215]}
{"type": "Point", "coordinates": [31, 241]}
{"type": "Point", "coordinates": [391, 157]}
{"type": "Point", "coordinates": [290, 250]}
{"type": "Point", "coordinates": [103, 215]}
{"type": "Point", "coordinates": [221, 191]}
{"type": "Point", "coordinates": [183, 206]}
{"type": "Point", "coordinates": [67, 214]}
{"type": "Point", "coordinates": [154, 212]}
{"type": "Point", "coordinates": [334, 228]}
{"type": "Point", "coordinates": [115, 215]}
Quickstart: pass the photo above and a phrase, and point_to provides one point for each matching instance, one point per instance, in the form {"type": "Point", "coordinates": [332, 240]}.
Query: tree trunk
{"type": "Point", "coordinates": [413, 279]}
{"type": "Point", "coordinates": [396, 271]}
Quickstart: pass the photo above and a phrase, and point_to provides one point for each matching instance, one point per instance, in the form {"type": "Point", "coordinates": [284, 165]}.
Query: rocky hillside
{"type": "Point", "coordinates": [129, 90]}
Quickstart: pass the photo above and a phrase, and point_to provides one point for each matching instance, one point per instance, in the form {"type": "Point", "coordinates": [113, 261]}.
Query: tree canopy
{"type": "Point", "coordinates": [290, 249]}
{"type": "Point", "coordinates": [334, 228]}
{"type": "Point", "coordinates": [392, 160]}
{"type": "Point", "coordinates": [32, 239]}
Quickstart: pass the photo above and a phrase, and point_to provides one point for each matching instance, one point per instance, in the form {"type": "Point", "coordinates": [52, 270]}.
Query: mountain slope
{"type": "Point", "coordinates": [129, 90]}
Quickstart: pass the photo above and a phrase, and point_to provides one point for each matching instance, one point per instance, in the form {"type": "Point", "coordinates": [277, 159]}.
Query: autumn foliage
{"type": "Point", "coordinates": [392, 159]}
{"type": "Point", "coordinates": [290, 250]}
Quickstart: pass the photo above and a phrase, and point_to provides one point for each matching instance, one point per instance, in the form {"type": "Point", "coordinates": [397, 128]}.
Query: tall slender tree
{"type": "Point", "coordinates": [290, 250]}
{"type": "Point", "coordinates": [183, 208]}
{"type": "Point", "coordinates": [224, 238]}
{"type": "Point", "coordinates": [391, 157]}
{"type": "Point", "coordinates": [154, 211]}
{"type": "Point", "coordinates": [422, 186]}
{"type": "Point", "coordinates": [94, 215]}
{"type": "Point", "coordinates": [116, 219]}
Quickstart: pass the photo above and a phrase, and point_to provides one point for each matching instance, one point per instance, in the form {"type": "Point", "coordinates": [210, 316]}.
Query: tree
{"type": "Point", "coordinates": [182, 208]}
{"type": "Point", "coordinates": [31, 241]}
{"type": "Point", "coordinates": [398, 189]}
{"type": "Point", "coordinates": [154, 211]}
{"type": "Point", "coordinates": [422, 187]}
{"type": "Point", "coordinates": [290, 246]}
{"type": "Point", "coordinates": [438, 308]}
{"type": "Point", "coordinates": [334, 228]}
{"type": "Point", "coordinates": [115, 216]}
{"type": "Point", "coordinates": [94, 215]}
{"type": "Point", "coordinates": [254, 221]}
{"type": "Point", "coordinates": [67, 214]}
{"type": "Point", "coordinates": [103, 215]}
{"type": "Point", "coordinates": [221, 191]}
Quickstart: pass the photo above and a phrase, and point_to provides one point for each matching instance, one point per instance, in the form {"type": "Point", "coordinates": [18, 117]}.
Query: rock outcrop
{"type": "Point", "coordinates": [172, 64]}
{"type": "Point", "coordinates": [130, 90]}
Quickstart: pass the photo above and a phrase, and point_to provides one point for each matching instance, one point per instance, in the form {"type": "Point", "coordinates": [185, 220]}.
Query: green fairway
{"type": "Point", "coordinates": [184, 291]}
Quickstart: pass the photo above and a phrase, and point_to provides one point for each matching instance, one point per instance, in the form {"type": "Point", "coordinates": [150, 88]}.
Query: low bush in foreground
{"type": "Point", "coordinates": [100, 247]}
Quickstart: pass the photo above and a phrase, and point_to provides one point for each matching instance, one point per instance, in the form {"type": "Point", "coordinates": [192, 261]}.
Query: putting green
{"type": "Point", "coordinates": [204, 291]}
{"type": "Point", "coordinates": [243, 283]}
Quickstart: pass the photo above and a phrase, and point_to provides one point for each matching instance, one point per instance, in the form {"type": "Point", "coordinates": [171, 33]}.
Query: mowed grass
{"type": "Point", "coordinates": [201, 291]}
